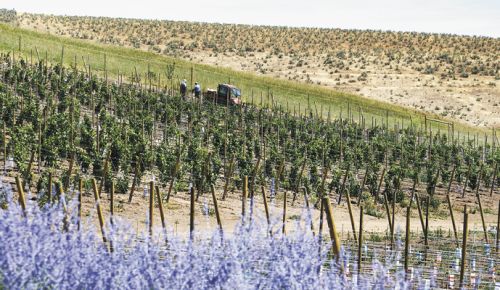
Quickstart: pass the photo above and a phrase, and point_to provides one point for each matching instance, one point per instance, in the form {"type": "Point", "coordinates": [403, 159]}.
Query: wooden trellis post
{"type": "Point", "coordinates": [191, 215]}
{"type": "Point", "coordinates": [407, 238]}
{"type": "Point", "coordinates": [381, 180]}
{"type": "Point", "coordinates": [360, 241]}
{"type": "Point", "coordinates": [70, 170]}
{"type": "Point", "coordinates": [99, 211]}
{"type": "Point", "coordinates": [216, 207]}
{"type": "Point", "coordinates": [62, 201]}
{"type": "Point", "coordinates": [49, 188]}
{"type": "Point", "coordinates": [4, 139]}
{"type": "Point", "coordinates": [485, 230]}
{"type": "Point", "coordinates": [174, 174]}
{"type": "Point", "coordinates": [419, 208]}
{"type": "Point", "coordinates": [284, 213]}
{"type": "Point", "coordinates": [452, 218]}
{"type": "Point", "coordinates": [105, 169]}
{"type": "Point", "coordinates": [151, 206]}
{"type": "Point", "coordinates": [387, 211]}
{"type": "Point", "coordinates": [498, 229]}
{"type": "Point", "coordinates": [20, 192]}
{"type": "Point", "coordinates": [134, 182]}
{"type": "Point", "coordinates": [80, 189]}
{"type": "Point", "coordinates": [466, 180]}
{"type": "Point", "coordinates": [322, 194]}
{"type": "Point", "coordinates": [266, 208]}
{"type": "Point", "coordinates": [112, 202]}
{"type": "Point", "coordinates": [351, 216]}
{"type": "Point", "coordinates": [464, 247]}
{"type": "Point", "coordinates": [254, 176]}
{"type": "Point", "coordinates": [306, 201]}
{"type": "Point", "coordinates": [331, 226]}
{"type": "Point", "coordinates": [228, 177]}
{"type": "Point", "coordinates": [426, 238]}
{"type": "Point", "coordinates": [393, 219]}
{"type": "Point", "coordinates": [160, 207]}
{"type": "Point", "coordinates": [342, 188]}
{"type": "Point", "coordinates": [493, 181]}
{"type": "Point", "coordinates": [244, 198]}
{"type": "Point", "coordinates": [299, 178]}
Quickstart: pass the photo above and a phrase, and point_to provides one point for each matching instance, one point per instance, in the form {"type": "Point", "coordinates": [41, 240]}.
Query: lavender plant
{"type": "Point", "coordinates": [38, 253]}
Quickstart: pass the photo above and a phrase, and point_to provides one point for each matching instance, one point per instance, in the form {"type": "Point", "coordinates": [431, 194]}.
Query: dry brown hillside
{"type": "Point", "coordinates": [454, 76]}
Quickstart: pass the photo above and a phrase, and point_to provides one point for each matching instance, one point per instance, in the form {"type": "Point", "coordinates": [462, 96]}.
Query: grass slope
{"type": "Point", "coordinates": [126, 61]}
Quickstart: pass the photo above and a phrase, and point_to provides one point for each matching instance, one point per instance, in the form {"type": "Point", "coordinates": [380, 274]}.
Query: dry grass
{"type": "Point", "coordinates": [447, 75]}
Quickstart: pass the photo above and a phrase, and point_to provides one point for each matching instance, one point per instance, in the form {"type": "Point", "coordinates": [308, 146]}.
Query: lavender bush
{"type": "Point", "coordinates": [37, 253]}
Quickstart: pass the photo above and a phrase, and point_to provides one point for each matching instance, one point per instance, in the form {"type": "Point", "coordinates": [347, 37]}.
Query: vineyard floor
{"type": "Point", "coordinates": [177, 213]}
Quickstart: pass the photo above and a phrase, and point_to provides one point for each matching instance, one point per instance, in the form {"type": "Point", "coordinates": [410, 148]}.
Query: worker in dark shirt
{"type": "Point", "coordinates": [183, 88]}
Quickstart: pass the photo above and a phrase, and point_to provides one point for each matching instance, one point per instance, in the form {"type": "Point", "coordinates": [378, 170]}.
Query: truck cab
{"type": "Point", "coordinates": [226, 94]}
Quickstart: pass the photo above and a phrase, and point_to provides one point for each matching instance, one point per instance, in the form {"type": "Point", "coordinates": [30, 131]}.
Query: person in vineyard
{"type": "Point", "coordinates": [197, 90]}
{"type": "Point", "coordinates": [183, 88]}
